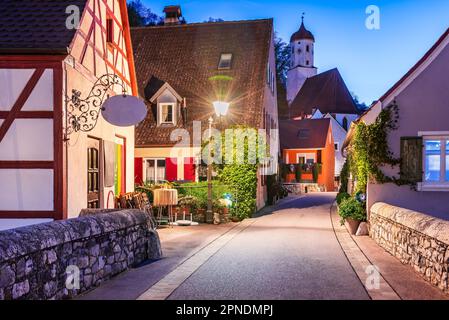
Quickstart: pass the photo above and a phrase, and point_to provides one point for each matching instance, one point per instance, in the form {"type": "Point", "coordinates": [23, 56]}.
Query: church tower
{"type": "Point", "coordinates": [301, 61]}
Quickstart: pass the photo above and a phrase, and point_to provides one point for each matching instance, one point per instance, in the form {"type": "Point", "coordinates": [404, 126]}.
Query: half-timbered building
{"type": "Point", "coordinates": [52, 54]}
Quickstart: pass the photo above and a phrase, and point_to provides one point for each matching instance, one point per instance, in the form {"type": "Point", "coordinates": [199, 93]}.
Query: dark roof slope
{"type": "Point", "coordinates": [303, 134]}
{"type": "Point", "coordinates": [187, 56]}
{"type": "Point", "coordinates": [153, 86]}
{"type": "Point", "coordinates": [326, 91]}
{"type": "Point", "coordinates": [36, 26]}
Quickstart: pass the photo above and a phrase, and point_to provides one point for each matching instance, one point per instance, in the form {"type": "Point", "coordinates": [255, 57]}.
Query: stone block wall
{"type": "Point", "coordinates": [414, 238]}
{"type": "Point", "coordinates": [34, 259]}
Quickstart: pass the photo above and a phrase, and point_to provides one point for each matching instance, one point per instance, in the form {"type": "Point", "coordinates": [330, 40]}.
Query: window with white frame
{"type": "Point", "coordinates": [154, 170]}
{"type": "Point", "coordinates": [225, 61]}
{"type": "Point", "coordinates": [166, 113]}
{"type": "Point", "coordinates": [436, 161]}
{"type": "Point", "coordinates": [305, 158]}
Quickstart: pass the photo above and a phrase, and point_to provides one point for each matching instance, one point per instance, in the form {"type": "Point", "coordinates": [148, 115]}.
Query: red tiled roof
{"type": "Point", "coordinates": [36, 26]}
{"type": "Point", "coordinates": [303, 134]}
{"type": "Point", "coordinates": [187, 56]}
{"type": "Point", "coordinates": [326, 91]}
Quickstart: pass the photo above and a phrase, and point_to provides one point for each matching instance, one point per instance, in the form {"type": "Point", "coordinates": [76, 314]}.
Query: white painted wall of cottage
{"type": "Point", "coordinates": [26, 140]}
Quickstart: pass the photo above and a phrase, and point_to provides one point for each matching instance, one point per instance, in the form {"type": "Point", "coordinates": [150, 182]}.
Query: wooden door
{"type": "Point", "coordinates": [94, 174]}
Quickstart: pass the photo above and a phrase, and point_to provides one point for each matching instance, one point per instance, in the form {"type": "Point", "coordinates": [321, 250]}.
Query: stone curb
{"type": "Point", "coordinates": [362, 266]}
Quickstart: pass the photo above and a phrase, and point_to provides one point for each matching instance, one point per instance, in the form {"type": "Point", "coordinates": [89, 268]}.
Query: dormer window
{"type": "Point", "coordinates": [166, 113]}
{"type": "Point", "coordinates": [225, 61]}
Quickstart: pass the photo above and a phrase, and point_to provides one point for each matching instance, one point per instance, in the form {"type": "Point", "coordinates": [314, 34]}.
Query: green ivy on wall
{"type": "Point", "coordinates": [369, 150]}
{"type": "Point", "coordinates": [240, 176]}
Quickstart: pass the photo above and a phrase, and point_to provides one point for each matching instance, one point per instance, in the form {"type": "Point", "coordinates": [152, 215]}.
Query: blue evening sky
{"type": "Point", "coordinates": [370, 61]}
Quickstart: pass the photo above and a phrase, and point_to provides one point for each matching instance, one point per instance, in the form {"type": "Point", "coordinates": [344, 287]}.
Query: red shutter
{"type": "Point", "coordinates": [189, 169]}
{"type": "Point", "coordinates": [138, 170]}
{"type": "Point", "coordinates": [171, 169]}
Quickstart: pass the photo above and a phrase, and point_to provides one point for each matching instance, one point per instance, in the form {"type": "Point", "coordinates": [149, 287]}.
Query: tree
{"type": "Point", "coordinates": [212, 20]}
{"type": "Point", "coordinates": [282, 51]}
{"type": "Point", "coordinates": [140, 15]}
{"type": "Point", "coordinates": [360, 105]}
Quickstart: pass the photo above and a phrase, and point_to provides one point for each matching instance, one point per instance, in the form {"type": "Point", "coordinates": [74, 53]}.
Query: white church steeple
{"type": "Point", "coordinates": [302, 45]}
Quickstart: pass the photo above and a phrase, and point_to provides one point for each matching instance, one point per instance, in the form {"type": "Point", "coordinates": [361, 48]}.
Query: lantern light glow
{"type": "Point", "coordinates": [221, 108]}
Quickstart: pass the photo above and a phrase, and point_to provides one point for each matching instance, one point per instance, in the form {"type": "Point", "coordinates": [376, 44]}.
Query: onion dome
{"type": "Point", "coordinates": [302, 34]}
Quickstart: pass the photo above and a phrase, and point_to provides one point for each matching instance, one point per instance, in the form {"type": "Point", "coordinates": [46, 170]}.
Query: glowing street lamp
{"type": "Point", "coordinates": [221, 109]}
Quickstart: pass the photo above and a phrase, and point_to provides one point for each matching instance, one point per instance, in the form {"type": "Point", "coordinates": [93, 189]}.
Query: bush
{"type": "Point", "coordinates": [199, 192]}
{"type": "Point", "coordinates": [316, 172]}
{"type": "Point", "coordinates": [342, 196]}
{"type": "Point", "coordinates": [298, 173]}
{"type": "Point", "coordinates": [242, 178]}
{"type": "Point", "coordinates": [350, 208]}
{"type": "Point", "coordinates": [344, 177]}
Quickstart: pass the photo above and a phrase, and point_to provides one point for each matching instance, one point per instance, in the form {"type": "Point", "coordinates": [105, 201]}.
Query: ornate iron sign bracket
{"type": "Point", "coordinates": [82, 114]}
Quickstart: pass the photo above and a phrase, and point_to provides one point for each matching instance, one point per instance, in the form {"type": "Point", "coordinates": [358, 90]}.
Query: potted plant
{"type": "Point", "coordinates": [352, 213]}
{"type": "Point", "coordinates": [298, 173]}
{"type": "Point", "coordinates": [316, 172]}
{"type": "Point", "coordinates": [187, 204]}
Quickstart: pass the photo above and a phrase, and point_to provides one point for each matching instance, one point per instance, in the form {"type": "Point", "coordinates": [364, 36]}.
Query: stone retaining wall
{"type": "Point", "coordinates": [415, 239]}
{"type": "Point", "coordinates": [34, 259]}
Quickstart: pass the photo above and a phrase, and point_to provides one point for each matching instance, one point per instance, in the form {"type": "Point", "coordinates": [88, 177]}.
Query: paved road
{"type": "Point", "coordinates": [290, 254]}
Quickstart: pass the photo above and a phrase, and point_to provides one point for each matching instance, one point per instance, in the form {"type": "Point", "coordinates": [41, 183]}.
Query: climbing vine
{"type": "Point", "coordinates": [369, 150]}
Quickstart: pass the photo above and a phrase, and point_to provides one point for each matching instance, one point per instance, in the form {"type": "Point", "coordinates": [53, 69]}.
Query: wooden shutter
{"type": "Point", "coordinates": [171, 169]}
{"type": "Point", "coordinates": [189, 169]}
{"type": "Point", "coordinates": [319, 157]}
{"type": "Point", "coordinates": [412, 159]}
{"type": "Point", "coordinates": [138, 171]}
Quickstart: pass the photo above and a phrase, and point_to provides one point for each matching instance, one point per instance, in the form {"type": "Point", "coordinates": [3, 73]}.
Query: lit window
{"type": "Point", "coordinates": [166, 113]}
{"type": "Point", "coordinates": [154, 170]}
{"type": "Point", "coordinates": [447, 160]}
{"type": "Point", "coordinates": [305, 158]}
{"type": "Point", "coordinates": [436, 161]}
{"type": "Point", "coordinates": [109, 30]}
{"type": "Point", "coordinates": [432, 160]}
{"type": "Point", "coordinates": [225, 61]}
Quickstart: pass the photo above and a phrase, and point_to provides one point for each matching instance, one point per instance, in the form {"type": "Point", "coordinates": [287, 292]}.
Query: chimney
{"type": "Point", "coordinates": [172, 15]}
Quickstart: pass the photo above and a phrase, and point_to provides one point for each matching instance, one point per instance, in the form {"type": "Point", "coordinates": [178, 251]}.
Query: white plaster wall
{"type": "Point", "coordinates": [295, 80]}
{"type": "Point", "coordinates": [300, 56]}
{"type": "Point", "coordinates": [350, 117]}
{"type": "Point", "coordinates": [339, 135]}
{"type": "Point", "coordinates": [28, 139]}
{"type": "Point", "coordinates": [41, 99]}
{"type": "Point", "coordinates": [26, 189]}
{"type": "Point", "coordinates": [77, 152]}
{"type": "Point", "coordinates": [13, 82]}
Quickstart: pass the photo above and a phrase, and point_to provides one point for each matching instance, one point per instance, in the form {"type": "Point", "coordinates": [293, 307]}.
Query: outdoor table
{"type": "Point", "coordinates": [165, 198]}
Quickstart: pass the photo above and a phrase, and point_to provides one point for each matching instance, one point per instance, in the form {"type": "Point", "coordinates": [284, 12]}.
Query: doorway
{"type": "Point", "coordinates": [94, 174]}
